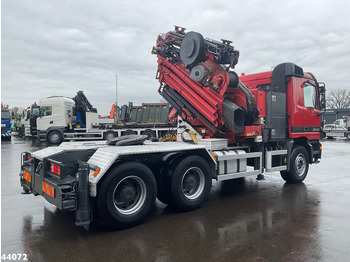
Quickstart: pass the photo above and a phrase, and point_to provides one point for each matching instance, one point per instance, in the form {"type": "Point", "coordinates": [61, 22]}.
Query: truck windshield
{"type": "Point", "coordinates": [5, 114]}
{"type": "Point", "coordinates": [35, 111]}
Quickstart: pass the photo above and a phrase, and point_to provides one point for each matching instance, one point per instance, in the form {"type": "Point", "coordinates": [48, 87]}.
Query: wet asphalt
{"type": "Point", "coordinates": [243, 220]}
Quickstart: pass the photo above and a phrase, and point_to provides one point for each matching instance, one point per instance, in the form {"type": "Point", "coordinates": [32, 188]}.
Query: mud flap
{"type": "Point", "coordinates": [83, 212]}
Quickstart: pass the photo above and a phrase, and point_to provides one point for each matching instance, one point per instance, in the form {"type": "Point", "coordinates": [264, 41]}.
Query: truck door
{"type": "Point", "coordinates": [46, 118]}
{"type": "Point", "coordinates": [311, 117]}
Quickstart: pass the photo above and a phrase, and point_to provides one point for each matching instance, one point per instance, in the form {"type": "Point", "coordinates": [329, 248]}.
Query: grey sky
{"type": "Point", "coordinates": [61, 47]}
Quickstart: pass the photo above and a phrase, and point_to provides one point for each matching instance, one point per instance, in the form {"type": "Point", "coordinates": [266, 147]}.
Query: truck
{"type": "Point", "coordinates": [30, 117]}
{"type": "Point", "coordinates": [63, 118]}
{"type": "Point", "coordinates": [5, 123]}
{"type": "Point", "coordinates": [225, 130]}
{"type": "Point", "coordinates": [340, 128]}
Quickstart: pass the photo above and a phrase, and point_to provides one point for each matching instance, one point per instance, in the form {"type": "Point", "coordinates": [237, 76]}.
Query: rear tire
{"type": "Point", "coordinates": [150, 133]}
{"type": "Point", "coordinates": [129, 132]}
{"type": "Point", "coordinates": [191, 183]}
{"type": "Point", "coordinates": [127, 195]}
{"type": "Point", "coordinates": [299, 166]}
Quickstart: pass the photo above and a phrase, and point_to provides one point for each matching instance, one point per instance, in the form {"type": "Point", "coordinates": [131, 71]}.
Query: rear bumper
{"type": "Point", "coordinates": [69, 193]}
{"type": "Point", "coordinates": [62, 195]}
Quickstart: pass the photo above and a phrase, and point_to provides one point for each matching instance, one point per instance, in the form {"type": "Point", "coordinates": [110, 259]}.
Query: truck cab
{"type": "Point", "coordinates": [54, 116]}
{"type": "Point", "coordinates": [5, 123]}
{"type": "Point", "coordinates": [30, 120]}
{"type": "Point", "coordinates": [342, 123]}
{"type": "Point", "coordinates": [287, 90]}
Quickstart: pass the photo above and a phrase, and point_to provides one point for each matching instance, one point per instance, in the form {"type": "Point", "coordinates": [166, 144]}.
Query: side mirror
{"type": "Point", "coordinates": [322, 95]}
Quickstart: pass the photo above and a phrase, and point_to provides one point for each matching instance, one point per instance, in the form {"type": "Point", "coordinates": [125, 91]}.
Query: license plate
{"type": "Point", "coordinates": [49, 190]}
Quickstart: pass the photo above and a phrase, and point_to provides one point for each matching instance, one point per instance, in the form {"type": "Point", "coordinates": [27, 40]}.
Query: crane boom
{"type": "Point", "coordinates": [196, 77]}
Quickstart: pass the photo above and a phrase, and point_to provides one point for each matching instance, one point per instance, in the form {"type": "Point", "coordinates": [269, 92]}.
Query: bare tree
{"type": "Point", "coordinates": [338, 99]}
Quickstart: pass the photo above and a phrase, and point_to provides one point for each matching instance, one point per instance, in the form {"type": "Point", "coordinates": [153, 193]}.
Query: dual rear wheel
{"type": "Point", "coordinates": [186, 186]}
{"type": "Point", "coordinates": [127, 195]}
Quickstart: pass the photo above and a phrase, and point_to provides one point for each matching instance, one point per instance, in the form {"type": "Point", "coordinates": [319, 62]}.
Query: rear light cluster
{"type": "Point", "coordinates": [55, 169]}
{"type": "Point", "coordinates": [28, 156]}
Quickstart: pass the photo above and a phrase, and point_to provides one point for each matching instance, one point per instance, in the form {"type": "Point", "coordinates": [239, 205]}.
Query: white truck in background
{"type": "Point", "coordinates": [60, 120]}
{"type": "Point", "coordinates": [340, 128]}
{"type": "Point", "coordinates": [26, 123]}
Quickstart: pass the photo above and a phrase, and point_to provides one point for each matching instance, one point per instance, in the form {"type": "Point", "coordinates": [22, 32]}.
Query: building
{"type": "Point", "coordinates": [333, 114]}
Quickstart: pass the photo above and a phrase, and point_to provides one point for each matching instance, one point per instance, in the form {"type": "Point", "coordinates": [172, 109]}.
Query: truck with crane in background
{"type": "Point", "coordinates": [227, 128]}
{"type": "Point", "coordinates": [63, 118]}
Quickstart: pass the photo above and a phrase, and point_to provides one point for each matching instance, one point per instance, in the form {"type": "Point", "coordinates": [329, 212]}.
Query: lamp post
{"type": "Point", "coordinates": [116, 89]}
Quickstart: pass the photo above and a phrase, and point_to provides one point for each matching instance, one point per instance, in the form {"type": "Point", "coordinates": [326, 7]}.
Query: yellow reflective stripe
{"type": "Point", "coordinates": [27, 176]}
{"type": "Point", "coordinates": [48, 190]}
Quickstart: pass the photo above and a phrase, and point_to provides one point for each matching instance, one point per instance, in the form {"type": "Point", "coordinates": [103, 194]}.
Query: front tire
{"type": "Point", "coordinates": [127, 195]}
{"type": "Point", "coordinates": [299, 166]}
{"type": "Point", "coordinates": [55, 137]}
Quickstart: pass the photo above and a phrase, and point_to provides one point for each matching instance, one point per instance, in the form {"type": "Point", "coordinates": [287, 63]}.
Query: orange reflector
{"type": "Point", "coordinates": [27, 176]}
{"type": "Point", "coordinates": [97, 171]}
{"type": "Point", "coordinates": [321, 147]}
{"type": "Point", "coordinates": [48, 190]}
{"type": "Point", "coordinates": [213, 156]}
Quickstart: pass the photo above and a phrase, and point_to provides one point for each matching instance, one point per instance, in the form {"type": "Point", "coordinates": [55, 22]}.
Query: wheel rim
{"type": "Point", "coordinates": [110, 136]}
{"type": "Point", "coordinates": [300, 164]}
{"type": "Point", "coordinates": [54, 137]}
{"type": "Point", "coordinates": [192, 183]}
{"type": "Point", "coordinates": [129, 195]}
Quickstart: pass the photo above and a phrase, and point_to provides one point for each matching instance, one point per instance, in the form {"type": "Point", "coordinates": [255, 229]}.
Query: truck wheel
{"type": "Point", "coordinates": [127, 195]}
{"type": "Point", "coordinates": [299, 166]}
{"type": "Point", "coordinates": [54, 137]}
{"type": "Point", "coordinates": [150, 133]}
{"type": "Point", "coordinates": [191, 183]}
{"type": "Point", "coordinates": [110, 135]}
{"type": "Point", "coordinates": [129, 132]}
{"type": "Point", "coordinates": [348, 136]}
